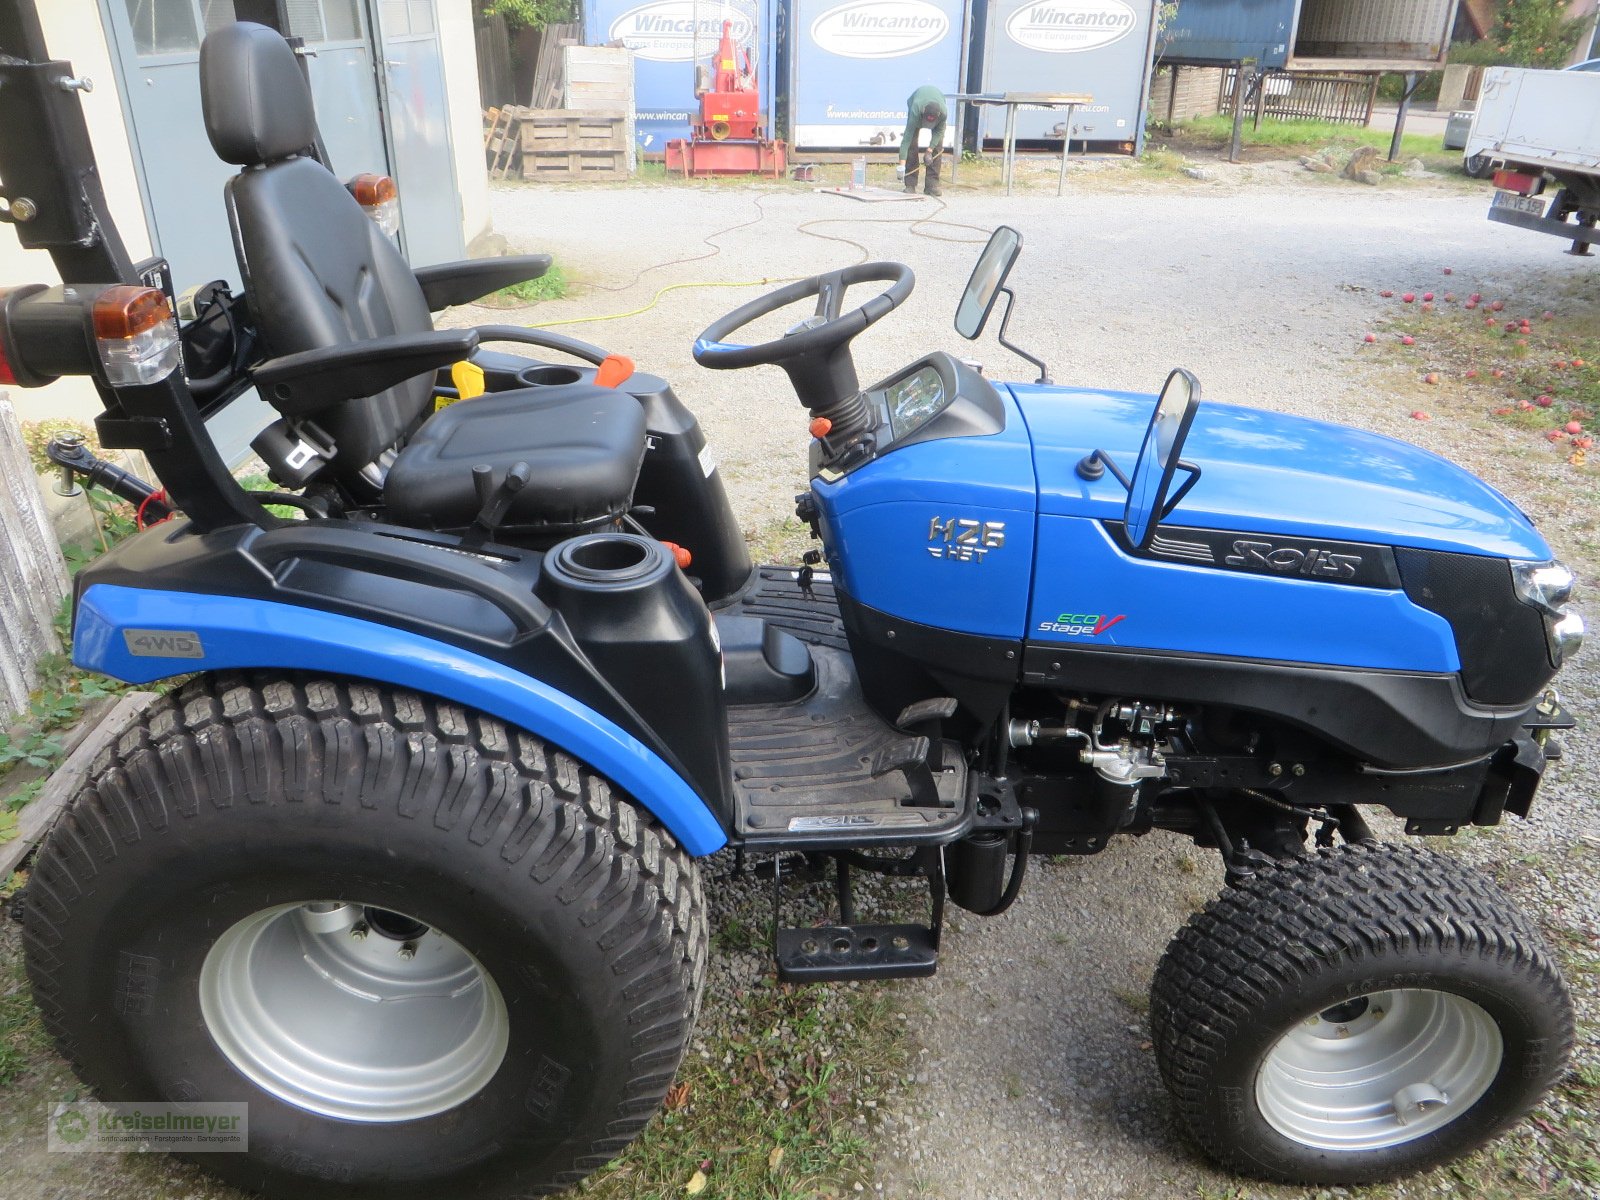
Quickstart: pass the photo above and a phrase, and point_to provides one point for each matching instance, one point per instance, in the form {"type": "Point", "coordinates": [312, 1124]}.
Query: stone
{"type": "Point", "coordinates": [1363, 160]}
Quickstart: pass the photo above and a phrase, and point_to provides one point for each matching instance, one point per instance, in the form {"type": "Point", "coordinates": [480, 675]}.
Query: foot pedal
{"type": "Point", "coordinates": [832, 953]}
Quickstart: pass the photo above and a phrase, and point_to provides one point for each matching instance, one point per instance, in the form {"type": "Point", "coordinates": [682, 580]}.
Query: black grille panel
{"type": "Point", "coordinates": [1505, 658]}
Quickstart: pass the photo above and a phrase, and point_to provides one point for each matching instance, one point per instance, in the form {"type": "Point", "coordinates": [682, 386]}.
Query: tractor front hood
{"type": "Point", "coordinates": [1267, 472]}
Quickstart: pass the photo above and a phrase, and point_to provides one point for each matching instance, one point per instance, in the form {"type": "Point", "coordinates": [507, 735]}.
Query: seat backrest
{"type": "Point", "coordinates": [318, 271]}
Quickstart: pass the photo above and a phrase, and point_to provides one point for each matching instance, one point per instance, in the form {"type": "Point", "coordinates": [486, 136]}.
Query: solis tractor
{"type": "Point", "coordinates": [410, 862]}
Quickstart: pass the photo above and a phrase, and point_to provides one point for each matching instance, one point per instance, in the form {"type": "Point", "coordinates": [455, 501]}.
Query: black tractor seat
{"type": "Point", "coordinates": [321, 274]}
{"type": "Point", "coordinates": [582, 443]}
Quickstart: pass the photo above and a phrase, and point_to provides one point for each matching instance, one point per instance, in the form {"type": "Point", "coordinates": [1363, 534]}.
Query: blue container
{"type": "Point", "coordinates": [668, 38]}
{"type": "Point", "coordinates": [853, 63]}
{"type": "Point", "coordinates": [1311, 35]}
{"type": "Point", "coordinates": [1098, 47]}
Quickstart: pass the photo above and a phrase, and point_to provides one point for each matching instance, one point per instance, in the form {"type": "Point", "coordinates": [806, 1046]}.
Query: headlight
{"type": "Point", "coordinates": [1548, 586]}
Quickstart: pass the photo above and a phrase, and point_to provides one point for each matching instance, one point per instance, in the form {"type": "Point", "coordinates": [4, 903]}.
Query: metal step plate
{"type": "Point", "coordinates": [831, 953]}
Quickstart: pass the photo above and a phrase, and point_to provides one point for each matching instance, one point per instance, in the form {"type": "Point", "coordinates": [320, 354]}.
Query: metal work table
{"type": "Point", "coordinates": [1011, 101]}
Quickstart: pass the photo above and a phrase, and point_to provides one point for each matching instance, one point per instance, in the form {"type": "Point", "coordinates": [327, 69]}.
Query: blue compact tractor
{"type": "Point", "coordinates": [410, 861]}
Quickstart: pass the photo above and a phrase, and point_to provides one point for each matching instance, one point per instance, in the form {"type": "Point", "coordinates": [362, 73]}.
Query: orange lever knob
{"type": "Point", "coordinates": [683, 557]}
{"type": "Point", "coordinates": [821, 427]}
{"type": "Point", "coordinates": [614, 369]}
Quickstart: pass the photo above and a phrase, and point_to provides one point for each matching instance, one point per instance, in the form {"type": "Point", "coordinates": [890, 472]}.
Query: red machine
{"type": "Point", "coordinates": [728, 138]}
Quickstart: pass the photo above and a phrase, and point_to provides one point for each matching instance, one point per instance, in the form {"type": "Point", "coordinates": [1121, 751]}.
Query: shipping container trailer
{"type": "Point", "coordinates": [853, 63]}
{"type": "Point", "coordinates": [668, 39]}
{"type": "Point", "coordinates": [1311, 35]}
{"type": "Point", "coordinates": [1100, 47]}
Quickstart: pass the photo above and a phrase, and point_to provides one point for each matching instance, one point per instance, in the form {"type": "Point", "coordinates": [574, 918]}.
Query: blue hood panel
{"type": "Point", "coordinates": [1266, 472]}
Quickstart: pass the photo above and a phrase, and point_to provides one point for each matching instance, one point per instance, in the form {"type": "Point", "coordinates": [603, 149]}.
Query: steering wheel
{"type": "Point", "coordinates": [816, 352]}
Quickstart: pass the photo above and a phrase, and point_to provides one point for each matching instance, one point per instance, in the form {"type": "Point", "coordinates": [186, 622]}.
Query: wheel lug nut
{"type": "Point", "coordinates": [408, 950]}
{"type": "Point", "coordinates": [358, 930]}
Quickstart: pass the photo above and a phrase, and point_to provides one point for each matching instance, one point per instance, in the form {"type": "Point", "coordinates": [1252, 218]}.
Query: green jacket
{"type": "Point", "coordinates": [915, 103]}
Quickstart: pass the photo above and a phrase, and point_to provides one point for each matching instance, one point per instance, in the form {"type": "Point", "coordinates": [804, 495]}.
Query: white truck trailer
{"type": "Point", "coordinates": [1539, 133]}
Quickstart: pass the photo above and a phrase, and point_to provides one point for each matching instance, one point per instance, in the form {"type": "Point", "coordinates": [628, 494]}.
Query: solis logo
{"type": "Point", "coordinates": [1070, 26]}
{"type": "Point", "coordinates": [880, 28]}
{"type": "Point", "coordinates": [1081, 624]}
{"type": "Point", "coordinates": [672, 30]}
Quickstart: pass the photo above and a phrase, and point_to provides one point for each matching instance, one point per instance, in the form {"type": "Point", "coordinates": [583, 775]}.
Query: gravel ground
{"type": "Point", "coordinates": [1034, 1077]}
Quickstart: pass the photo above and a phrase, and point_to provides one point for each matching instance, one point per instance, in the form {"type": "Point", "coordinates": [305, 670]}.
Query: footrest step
{"type": "Point", "coordinates": [830, 953]}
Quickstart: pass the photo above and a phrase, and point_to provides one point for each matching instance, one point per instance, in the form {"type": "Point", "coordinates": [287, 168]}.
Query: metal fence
{"type": "Point", "coordinates": [1291, 96]}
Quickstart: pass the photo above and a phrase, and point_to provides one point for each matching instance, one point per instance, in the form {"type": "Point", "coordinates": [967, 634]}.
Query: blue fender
{"type": "Point", "coordinates": [138, 635]}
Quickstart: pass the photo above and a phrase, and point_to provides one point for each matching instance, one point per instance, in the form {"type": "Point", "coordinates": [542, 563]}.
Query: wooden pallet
{"type": "Point", "coordinates": [561, 144]}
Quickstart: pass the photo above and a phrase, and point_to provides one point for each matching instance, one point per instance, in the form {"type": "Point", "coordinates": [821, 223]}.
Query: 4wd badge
{"type": "Point", "coordinates": [163, 643]}
{"type": "Point", "coordinates": [964, 539]}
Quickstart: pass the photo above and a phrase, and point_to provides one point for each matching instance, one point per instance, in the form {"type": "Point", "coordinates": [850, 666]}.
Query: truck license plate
{"type": "Point", "coordinates": [1534, 206]}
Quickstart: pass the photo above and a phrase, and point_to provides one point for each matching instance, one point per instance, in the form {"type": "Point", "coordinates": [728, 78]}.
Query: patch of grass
{"type": "Point", "coordinates": [22, 1035]}
{"type": "Point", "coordinates": [1308, 136]}
{"type": "Point", "coordinates": [780, 541]}
{"type": "Point", "coordinates": [1135, 1000]}
{"type": "Point", "coordinates": [552, 285]}
{"type": "Point", "coordinates": [769, 1110]}
{"type": "Point", "coordinates": [1525, 364]}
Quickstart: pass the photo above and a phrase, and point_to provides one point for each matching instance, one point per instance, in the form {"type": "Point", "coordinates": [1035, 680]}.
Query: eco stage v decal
{"type": "Point", "coordinates": [1070, 26]}
{"type": "Point", "coordinates": [1082, 624]}
{"type": "Point", "coordinates": [880, 28]}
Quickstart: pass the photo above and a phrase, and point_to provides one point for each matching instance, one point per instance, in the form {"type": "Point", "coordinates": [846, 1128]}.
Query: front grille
{"type": "Point", "coordinates": [1505, 658]}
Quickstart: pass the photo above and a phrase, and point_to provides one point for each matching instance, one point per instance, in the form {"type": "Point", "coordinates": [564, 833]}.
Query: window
{"type": "Point", "coordinates": [163, 26]}
{"type": "Point", "coordinates": [325, 20]}
{"type": "Point", "coordinates": [214, 14]}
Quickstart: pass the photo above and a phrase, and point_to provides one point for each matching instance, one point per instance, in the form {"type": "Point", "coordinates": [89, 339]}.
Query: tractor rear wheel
{"type": "Point", "coordinates": [433, 955]}
{"type": "Point", "coordinates": [1357, 1015]}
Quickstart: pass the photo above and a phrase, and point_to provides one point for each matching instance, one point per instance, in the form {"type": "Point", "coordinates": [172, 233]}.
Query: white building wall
{"type": "Point", "coordinates": [458, 46]}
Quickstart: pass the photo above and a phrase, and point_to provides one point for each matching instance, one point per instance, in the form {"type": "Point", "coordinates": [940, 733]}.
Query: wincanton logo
{"type": "Point", "coordinates": [671, 30]}
{"type": "Point", "coordinates": [1070, 26]}
{"type": "Point", "coordinates": [1286, 560]}
{"type": "Point", "coordinates": [880, 28]}
{"type": "Point", "coordinates": [1081, 624]}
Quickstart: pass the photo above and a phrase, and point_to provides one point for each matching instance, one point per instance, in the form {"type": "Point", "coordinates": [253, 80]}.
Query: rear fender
{"type": "Point", "coordinates": [138, 635]}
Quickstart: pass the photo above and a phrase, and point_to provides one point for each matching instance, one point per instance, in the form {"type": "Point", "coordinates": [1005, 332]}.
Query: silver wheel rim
{"type": "Point", "coordinates": [1379, 1070]}
{"type": "Point", "coordinates": [331, 1007]}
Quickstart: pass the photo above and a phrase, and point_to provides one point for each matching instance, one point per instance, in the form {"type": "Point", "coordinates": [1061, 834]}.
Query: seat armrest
{"type": "Point", "coordinates": [460, 282]}
{"type": "Point", "coordinates": [298, 385]}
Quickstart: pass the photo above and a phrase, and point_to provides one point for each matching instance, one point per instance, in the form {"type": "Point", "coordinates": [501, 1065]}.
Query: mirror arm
{"type": "Point", "coordinates": [1005, 322]}
{"type": "Point", "coordinates": [1188, 485]}
{"type": "Point", "coordinates": [1096, 463]}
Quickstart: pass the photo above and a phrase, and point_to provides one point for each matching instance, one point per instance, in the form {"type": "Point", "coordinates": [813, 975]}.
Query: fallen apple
{"type": "Point", "coordinates": [1472, 373]}
{"type": "Point", "coordinates": [1371, 337]}
{"type": "Point", "coordinates": [1583, 443]}
{"type": "Point", "coordinates": [1407, 340]}
{"type": "Point", "coordinates": [1475, 297]}
{"type": "Point", "coordinates": [1419, 415]}
{"type": "Point", "coordinates": [1544, 401]}
{"type": "Point", "coordinates": [1386, 293]}
{"type": "Point", "coordinates": [1578, 362]}
{"type": "Point", "coordinates": [1409, 297]}
{"type": "Point", "coordinates": [1431, 377]}
{"type": "Point", "coordinates": [1498, 373]}
{"type": "Point", "coordinates": [1497, 305]}
{"type": "Point", "coordinates": [1427, 295]}
{"type": "Point", "coordinates": [1574, 427]}
{"type": "Point", "coordinates": [1553, 435]}
{"type": "Point", "coordinates": [1548, 315]}
{"type": "Point", "coordinates": [1449, 271]}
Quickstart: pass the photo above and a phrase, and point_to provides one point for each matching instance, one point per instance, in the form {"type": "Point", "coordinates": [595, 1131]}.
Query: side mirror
{"type": "Point", "coordinates": [1150, 495]}
{"type": "Point", "coordinates": [988, 277]}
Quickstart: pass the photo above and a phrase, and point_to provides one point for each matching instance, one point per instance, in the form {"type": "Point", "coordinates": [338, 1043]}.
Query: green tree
{"type": "Point", "coordinates": [530, 14]}
{"type": "Point", "coordinates": [1535, 33]}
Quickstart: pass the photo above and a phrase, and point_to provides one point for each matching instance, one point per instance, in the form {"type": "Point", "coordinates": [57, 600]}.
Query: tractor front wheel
{"type": "Point", "coordinates": [431, 954]}
{"type": "Point", "coordinates": [1357, 1015]}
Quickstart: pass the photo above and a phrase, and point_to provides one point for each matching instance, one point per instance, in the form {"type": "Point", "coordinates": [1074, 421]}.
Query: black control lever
{"type": "Point", "coordinates": [494, 501]}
